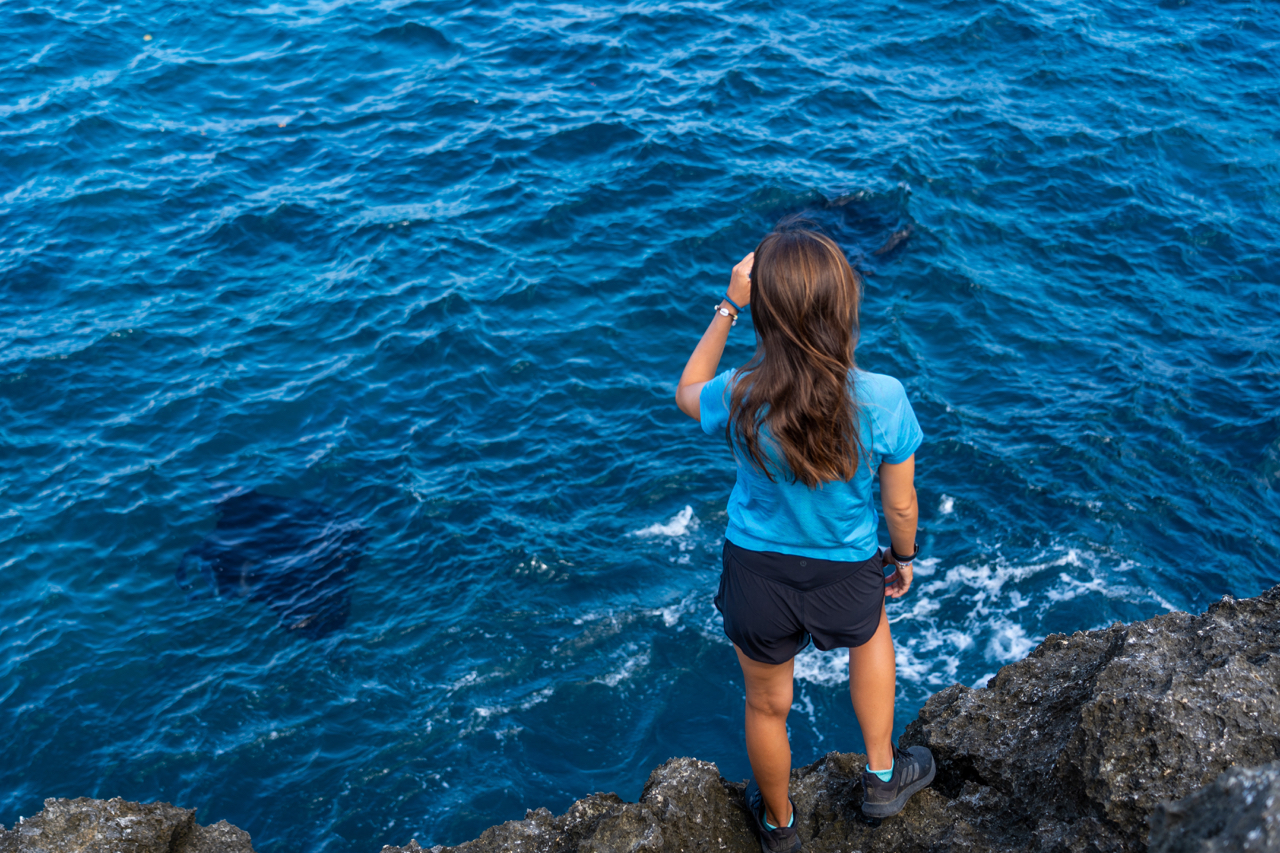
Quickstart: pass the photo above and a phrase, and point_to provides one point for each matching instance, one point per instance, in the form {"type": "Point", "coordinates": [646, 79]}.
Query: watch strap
{"type": "Point", "coordinates": [901, 559]}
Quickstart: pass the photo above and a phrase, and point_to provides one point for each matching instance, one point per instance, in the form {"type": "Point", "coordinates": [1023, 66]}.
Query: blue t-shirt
{"type": "Point", "coordinates": [837, 520]}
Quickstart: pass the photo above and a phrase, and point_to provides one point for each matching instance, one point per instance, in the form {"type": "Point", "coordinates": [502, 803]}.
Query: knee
{"type": "Point", "coordinates": [769, 703]}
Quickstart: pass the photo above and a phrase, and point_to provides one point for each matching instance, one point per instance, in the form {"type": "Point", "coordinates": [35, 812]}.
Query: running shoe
{"type": "Point", "coordinates": [913, 769]}
{"type": "Point", "coordinates": [784, 839]}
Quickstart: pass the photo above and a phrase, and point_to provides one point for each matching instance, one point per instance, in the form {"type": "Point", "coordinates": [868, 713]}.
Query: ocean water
{"type": "Point", "coordinates": [428, 272]}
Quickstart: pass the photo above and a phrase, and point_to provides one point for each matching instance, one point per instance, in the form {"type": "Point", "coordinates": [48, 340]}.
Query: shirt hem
{"type": "Point", "coordinates": [841, 553]}
{"type": "Point", "coordinates": [899, 458]}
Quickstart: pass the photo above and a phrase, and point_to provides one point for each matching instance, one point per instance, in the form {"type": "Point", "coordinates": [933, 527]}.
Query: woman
{"type": "Point", "coordinates": [801, 558]}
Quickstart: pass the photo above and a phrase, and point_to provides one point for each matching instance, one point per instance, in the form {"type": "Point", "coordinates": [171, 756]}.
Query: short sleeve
{"type": "Point", "coordinates": [899, 433]}
{"type": "Point", "coordinates": [713, 404]}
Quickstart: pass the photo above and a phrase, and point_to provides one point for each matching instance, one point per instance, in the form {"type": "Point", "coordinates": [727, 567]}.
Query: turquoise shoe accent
{"type": "Point", "coordinates": [885, 775]}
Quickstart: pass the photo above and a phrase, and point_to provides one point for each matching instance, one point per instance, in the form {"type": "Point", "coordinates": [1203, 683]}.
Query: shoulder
{"type": "Point", "coordinates": [878, 389]}
{"type": "Point", "coordinates": [895, 430]}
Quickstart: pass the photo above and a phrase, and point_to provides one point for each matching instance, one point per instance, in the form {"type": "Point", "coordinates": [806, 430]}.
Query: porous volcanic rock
{"type": "Point", "coordinates": [1070, 750]}
{"type": "Point", "coordinates": [1239, 812]}
{"type": "Point", "coordinates": [117, 826]}
{"type": "Point", "coordinates": [1089, 732]}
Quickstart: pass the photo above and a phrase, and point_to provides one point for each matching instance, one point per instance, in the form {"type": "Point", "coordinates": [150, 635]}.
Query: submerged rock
{"type": "Point", "coordinates": [1086, 746]}
{"type": "Point", "coordinates": [116, 826]}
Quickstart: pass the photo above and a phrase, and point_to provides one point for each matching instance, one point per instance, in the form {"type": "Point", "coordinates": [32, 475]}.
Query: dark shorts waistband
{"type": "Point", "coordinates": [800, 573]}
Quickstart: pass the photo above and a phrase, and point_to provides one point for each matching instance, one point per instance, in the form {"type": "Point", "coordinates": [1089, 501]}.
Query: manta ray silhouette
{"type": "Point", "coordinates": [295, 555]}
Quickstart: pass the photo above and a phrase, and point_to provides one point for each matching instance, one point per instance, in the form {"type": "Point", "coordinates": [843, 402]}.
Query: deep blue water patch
{"type": "Point", "coordinates": [428, 271]}
{"type": "Point", "coordinates": [297, 556]}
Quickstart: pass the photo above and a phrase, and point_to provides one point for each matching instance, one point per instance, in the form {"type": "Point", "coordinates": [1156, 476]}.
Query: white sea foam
{"type": "Point", "coordinates": [918, 608]}
{"type": "Point", "coordinates": [1072, 588]}
{"type": "Point", "coordinates": [969, 616]}
{"type": "Point", "coordinates": [630, 664]}
{"type": "Point", "coordinates": [1009, 642]}
{"type": "Point", "coordinates": [677, 526]}
{"type": "Point", "coordinates": [706, 620]}
{"type": "Point", "coordinates": [537, 698]}
{"type": "Point", "coordinates": [802, 702]}
{"type": "Point", "coordinates": [928, 654]}
{"type": "Point", "coordinates": [947, 505]}
{"type": "Point", "coordinates": [672, 613]}
{"type": "Point", "coordinates": [482, 713]}
{"type": "Point", "coordinates": [826, 668]}
{"type": "Point", "coordinates": [924, 567]}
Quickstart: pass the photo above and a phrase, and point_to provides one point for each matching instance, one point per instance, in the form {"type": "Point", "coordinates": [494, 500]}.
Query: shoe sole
{"type": "Point", "coordinates": [795, 848]}
{"type": "Point", "coordinates": [896, 805]}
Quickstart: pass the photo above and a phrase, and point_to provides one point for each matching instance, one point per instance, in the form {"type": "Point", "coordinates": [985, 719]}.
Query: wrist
{"type": "Point", "coordinates": [723, 310]}
{"type": "Point", "coordinates": [904, 559]}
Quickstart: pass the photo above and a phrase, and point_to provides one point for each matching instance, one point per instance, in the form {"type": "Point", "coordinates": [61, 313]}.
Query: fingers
{"type": "Point", "coordinates": [740, 280]}
{"type": "Point", "coordinates": [897, 584]}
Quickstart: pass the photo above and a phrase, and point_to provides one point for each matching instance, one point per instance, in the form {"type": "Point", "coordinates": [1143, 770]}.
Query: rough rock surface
{"type": "Point", "coordinates": [1089, 732]}
{"type": "Point", "coordinates": [1070, 750]}
{"type": "Point", "coordinates": [1239, 812]}
{"type": "Point", "coordinates": [116, 826]}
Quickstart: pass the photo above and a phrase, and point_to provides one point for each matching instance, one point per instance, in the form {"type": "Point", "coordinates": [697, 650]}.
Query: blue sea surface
{"type": "Point", "coordinates": [430, 270]}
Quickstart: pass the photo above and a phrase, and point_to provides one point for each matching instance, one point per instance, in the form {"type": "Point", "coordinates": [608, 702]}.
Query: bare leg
{"type": "Point", "coordinates": [872, 681]}
{"type": "Point", "coordinates": [768, 701]}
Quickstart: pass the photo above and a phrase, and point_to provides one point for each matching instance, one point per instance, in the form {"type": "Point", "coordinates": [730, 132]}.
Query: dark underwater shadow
{"type": "Point", "coordinates": [872, 227]}
{"type": "Point", "coordinates": [295, 555]}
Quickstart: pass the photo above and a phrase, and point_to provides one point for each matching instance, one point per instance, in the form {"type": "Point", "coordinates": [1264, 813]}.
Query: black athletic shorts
{"type": "Point", "coordinates": [773, 603]}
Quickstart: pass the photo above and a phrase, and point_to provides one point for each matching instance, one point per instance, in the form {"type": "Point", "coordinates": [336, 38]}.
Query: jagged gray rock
{"type": "Point", "coordinates": [1239, 812]}
{"type": "Point", "coordinates": [117, 826]}
{"type": "Point", "coordinates": [1090, 732]}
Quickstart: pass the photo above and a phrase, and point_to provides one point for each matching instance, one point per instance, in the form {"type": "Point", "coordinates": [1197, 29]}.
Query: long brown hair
{"type": "Point", "coordinates": [799, 383]}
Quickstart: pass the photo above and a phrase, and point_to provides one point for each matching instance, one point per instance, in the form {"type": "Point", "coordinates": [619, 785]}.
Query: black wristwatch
{"type": "Point", "coordinates": [900, 560]}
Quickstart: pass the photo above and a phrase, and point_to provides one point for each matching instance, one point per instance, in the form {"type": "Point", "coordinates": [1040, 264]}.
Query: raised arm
{"type": "Point", "coordinates": [901, 514]}
{"type": "Point", "coordinates": [701, 367]}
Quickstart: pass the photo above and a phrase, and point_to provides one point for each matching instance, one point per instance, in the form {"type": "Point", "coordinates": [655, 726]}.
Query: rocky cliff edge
{"type": "Point", "coordinates": [1163, 735]}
